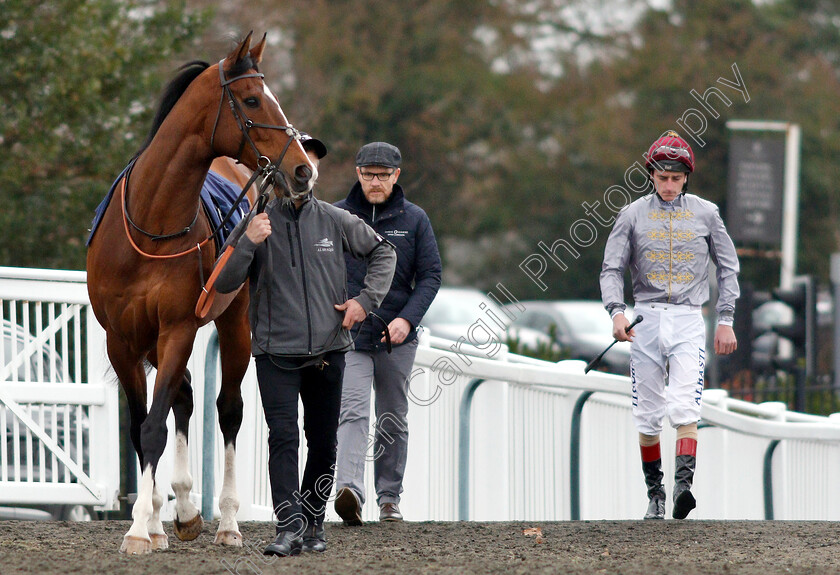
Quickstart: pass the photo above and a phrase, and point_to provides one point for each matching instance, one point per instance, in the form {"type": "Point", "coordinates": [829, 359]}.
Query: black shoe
{"type": "Point", "coordinates": [347, 506]}
{"type": "Point", "coordinates": [286, 543]}
{"type": "Point", "coordinates": [390, 512]}
{"type": "Point", "coordinates": [314, 539]}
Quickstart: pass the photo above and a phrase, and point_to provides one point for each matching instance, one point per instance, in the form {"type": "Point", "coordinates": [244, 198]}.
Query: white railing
{"type": "Point", "coordinates": [59, 428]}
{"type": "Point", "coordinates": [521, 433]}
{"type": "Point", "coordinates": [517, 441]}
{"type": "Point", "coordinates": [519, 452]}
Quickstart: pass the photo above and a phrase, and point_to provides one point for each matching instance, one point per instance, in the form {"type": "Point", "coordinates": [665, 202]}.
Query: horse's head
{"type": "Point", "coordinates": [251, 127]}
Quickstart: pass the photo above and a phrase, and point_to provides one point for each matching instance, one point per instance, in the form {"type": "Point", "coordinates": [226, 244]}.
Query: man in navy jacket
{"type": "Point", "coordinates": [378, 200]}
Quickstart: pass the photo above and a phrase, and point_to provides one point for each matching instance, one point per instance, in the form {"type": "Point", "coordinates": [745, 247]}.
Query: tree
{"type": "Point", "coordinates": [80, 81]}
{"type": "Point", "coordinates": [443, 80]}
{"type": "Point", "coordinates": [510, 114]}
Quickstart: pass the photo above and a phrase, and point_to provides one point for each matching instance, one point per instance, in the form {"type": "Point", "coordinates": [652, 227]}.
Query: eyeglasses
{"type": "Point", "coordinates": [381, 176]}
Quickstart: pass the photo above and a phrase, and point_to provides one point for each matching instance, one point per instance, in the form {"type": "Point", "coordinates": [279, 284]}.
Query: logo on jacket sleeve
{"type": "Point", "coordinates": [324, 245]}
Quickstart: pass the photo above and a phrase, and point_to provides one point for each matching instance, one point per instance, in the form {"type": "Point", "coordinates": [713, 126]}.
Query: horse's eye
{"type": "Point", "coordinates": [252, 102]}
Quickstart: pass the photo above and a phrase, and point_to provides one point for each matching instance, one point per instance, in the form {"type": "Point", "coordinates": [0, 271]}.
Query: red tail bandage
{"type": "Point", "coordinates": [650, 453]}
{"type": "Point", "coordinates": [687, 446]}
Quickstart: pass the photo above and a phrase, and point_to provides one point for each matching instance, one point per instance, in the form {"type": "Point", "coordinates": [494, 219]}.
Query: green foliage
{"type": "Point", "coordinates": [418, 77]}
{"type": "Point", "coordinates": [80, 80]}
{"type": "Point", "coordinates": [502, 142]}
{"type": "Point", "coordinates": [820, 397]}
{"type": "Point", "coordinates": [542, 351]}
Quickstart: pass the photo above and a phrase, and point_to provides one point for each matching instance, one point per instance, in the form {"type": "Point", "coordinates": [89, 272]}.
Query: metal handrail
{"type": "Point", "coordinates": [768, 480]}
{"type": "Point", "coordinates": [574, 456]}
{"type": "Point", "coordinates": [208, 440]}
{"type": "Point", "coordinates": [464, 449]}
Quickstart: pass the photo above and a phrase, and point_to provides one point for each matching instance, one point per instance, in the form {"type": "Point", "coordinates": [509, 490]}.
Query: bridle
{"type": "Point", "coordinates": [244, 123]}
{"type": "Point", "coordinates": [265, 168]}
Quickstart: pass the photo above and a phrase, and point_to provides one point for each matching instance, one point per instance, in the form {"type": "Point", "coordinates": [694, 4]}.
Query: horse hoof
{"type": "Point", "coordinates": [159, 541]}
{"type": "Point", "coordinates": [132, 545]}
{"type": "Point", "coordinates": [232, 538]}
{"type": "Point", "coordinates": [189, 530]}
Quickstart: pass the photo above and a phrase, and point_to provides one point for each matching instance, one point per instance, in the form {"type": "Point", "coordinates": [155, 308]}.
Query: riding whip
{"type": "Point", "coordinates": [597, 360]}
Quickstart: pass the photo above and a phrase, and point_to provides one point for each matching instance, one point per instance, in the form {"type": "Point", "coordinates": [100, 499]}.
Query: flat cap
{"type": "Point", "coordinates": [379, 154]}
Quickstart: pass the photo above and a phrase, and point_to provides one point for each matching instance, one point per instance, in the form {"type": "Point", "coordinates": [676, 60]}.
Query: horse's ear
{"type": "Point", "coordinates": [257, 51]}
{"type": "Point", "coordinates": [242, 50]}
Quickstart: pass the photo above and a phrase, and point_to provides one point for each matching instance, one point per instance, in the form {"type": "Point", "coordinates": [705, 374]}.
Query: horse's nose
{"type": "Point", "coordinates": [303, 174]}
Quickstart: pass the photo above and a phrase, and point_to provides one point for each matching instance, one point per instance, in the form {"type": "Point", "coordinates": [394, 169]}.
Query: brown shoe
{"type": "Point", "coordinates": [347, 507]}
{"type": "Point", "coordinates": [390, 512]}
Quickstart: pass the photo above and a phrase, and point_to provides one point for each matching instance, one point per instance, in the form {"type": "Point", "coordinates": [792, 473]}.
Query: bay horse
{"type": "Point", "coordinates": [150, 254]}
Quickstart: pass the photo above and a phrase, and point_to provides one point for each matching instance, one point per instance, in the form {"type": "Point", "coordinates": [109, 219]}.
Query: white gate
{"type": "Point", "coordinates": [59, 428]}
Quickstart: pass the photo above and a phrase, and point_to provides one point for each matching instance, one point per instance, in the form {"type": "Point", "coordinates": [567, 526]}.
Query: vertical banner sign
{"type": "Point", "coordinates": [756, 189]}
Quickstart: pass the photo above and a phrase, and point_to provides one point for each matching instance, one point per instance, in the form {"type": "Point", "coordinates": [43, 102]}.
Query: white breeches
{"type": "Point", "coordinates": [670, 343]}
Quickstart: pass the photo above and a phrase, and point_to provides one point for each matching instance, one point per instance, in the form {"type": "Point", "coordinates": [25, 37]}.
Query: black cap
{"type": "Point", "coordinates": [379, 154]}
{"type": "Point", "coordinates": [314, 144]}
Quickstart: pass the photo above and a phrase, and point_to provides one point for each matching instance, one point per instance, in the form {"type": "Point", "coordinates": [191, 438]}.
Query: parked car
{"type": "Point", "coordinates": [40, 367]}
{"type": "Point", "coordinates": [455, 310]}
{"type": "Point", "coordinates": [581, 327]}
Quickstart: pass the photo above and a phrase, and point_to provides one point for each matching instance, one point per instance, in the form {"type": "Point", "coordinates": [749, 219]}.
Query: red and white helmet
{"type": "Point", "coordinates": [670, 153]}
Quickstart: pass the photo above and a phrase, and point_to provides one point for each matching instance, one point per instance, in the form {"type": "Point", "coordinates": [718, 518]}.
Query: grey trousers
{"type": "Point", "coordinates": [388, 373]}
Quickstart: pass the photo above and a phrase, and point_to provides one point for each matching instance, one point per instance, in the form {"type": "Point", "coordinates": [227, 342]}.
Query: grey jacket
{"type": "Point", "coordinates": [298, 274]}
{"type": "Point", "coordinates": [667, 246]}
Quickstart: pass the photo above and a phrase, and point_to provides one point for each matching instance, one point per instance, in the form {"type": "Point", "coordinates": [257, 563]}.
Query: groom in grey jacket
{"type": "Point", "coordinates": [293, 255]}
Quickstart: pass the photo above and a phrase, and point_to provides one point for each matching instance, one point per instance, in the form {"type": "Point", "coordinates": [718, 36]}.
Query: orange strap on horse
{"type": "Point", "coordinates": [137, 248]}
{"type": "Point", "coordinates": [208, 291]}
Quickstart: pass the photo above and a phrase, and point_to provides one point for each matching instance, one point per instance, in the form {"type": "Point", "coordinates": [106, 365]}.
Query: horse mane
{"type": "Point", "coordinates": [173, 91]}
{"type": "Point", "coordinates": [178, 85]}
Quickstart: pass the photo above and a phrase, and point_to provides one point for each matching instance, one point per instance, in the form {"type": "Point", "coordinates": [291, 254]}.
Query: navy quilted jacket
{"type": "Point", "coordinates": [417, 277]}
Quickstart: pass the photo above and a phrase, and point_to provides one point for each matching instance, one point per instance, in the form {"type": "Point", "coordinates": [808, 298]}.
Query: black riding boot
{"type": "Point", "coordinates": [655, 489]}
{"type": "Point", "coordinates": [684, 501]}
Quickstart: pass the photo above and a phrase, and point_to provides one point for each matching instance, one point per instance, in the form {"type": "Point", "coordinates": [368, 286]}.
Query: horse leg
{"type": "Point", "coordinates": [188, 522]}
{"type": "Point", "coordinates": [155, 526]}
{"type": "Point", "coordinates": [132, 376]}
{"type": "Point", "coordinates": [172, 352]}
{"type": "Point", "coordinates": [235, 354]}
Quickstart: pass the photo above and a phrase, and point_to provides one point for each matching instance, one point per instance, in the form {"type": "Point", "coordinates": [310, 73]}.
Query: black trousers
{"type": "Point", "coordinates": [282, 381]}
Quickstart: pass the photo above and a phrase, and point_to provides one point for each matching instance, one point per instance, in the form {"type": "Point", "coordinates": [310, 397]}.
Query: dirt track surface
{"type": "Point", "coordinates": [626, 547]}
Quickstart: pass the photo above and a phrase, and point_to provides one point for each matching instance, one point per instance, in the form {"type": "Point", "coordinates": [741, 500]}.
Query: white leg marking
{"type": "Point", "coordinates": [156, 532]}
{"type": "Point", "coordinates": [141, 513]}
{"type": "Point", "coordinates": [182, 481]}
{"type": "Point", "coordinates": [229, 502]}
